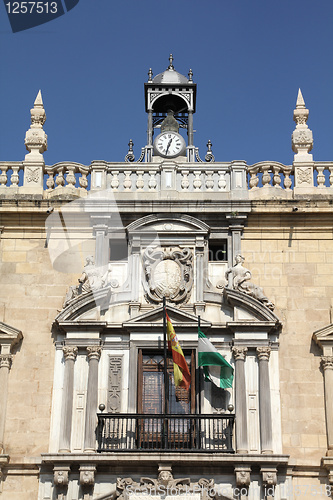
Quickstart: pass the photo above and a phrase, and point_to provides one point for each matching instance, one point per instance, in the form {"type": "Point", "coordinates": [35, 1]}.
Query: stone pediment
{"type": "Point", "coordinates": [9, 335]}
{"type": "Point", "coordinates": [324, 336]}
{"type": "Point", "coordinates": [180, 319]}
{"type": "Point", "coordinates": [252, 306]}
{"type": "Point", "coordinates": [83, 303]}
{"type": "Point", "coordinates": [166, 224]}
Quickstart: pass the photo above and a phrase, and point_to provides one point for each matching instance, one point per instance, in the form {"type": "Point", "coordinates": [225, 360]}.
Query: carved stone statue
{"type": "Point", "coordinates": [91, 279]}
{"type": "Point", "coordinates": [240, 277]}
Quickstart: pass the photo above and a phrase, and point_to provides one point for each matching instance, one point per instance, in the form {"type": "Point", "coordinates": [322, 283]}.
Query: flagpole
{"type": "Point", "coordinates": [166, 395]}
{"type": "Point", "coordinates": [199, 376]}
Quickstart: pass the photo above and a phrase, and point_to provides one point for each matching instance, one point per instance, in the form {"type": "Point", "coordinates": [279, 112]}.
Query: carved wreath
{"type": "Point", "coordinates": [168, 273]}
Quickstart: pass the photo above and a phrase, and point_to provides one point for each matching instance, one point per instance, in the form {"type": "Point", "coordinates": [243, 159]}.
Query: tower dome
{"type": "Point", "coordinates": [170, 75]}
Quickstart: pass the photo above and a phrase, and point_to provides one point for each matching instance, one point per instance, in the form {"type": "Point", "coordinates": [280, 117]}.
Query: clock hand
{"type": "Point", "coordinates": [167, 149]}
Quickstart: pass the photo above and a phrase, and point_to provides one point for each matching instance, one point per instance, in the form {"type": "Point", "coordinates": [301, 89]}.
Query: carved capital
{"type": "Point", "coordinates": [87, 475]}
{"type": "Point", "coordinates": [269, 476]}
{"type": "Point", "coordinates": [263, 353]}
{"type": "Point", "coordinates": [94, 352]}
{"type": "Point", "coordinates": [243, 476]}
{"type": "Point", "coordinates": [60, 476]}
{"type": "Point", "coordinates": [70, 352]}
{"type": "Point", "coordinates": [327, 362]}
{"type": "Point", "coordinates": [239, 353]}
{"type": "Point", "coordinates": [6, 360]}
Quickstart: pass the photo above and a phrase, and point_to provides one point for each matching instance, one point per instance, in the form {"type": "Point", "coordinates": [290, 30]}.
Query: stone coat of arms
{"type": "Point", "coordinates": [168, 273]}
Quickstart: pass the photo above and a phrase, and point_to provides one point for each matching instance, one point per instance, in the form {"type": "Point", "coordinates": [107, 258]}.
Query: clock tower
{"type": "Point", "coordinates": [170, 100]}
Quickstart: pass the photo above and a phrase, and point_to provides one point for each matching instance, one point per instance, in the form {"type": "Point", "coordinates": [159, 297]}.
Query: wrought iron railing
{"type": "Point", "coordinates": [193, 433]}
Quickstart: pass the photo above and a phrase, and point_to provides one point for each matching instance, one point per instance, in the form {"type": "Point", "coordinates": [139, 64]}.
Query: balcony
{"type": "Point", "coordinates": [119, 432]}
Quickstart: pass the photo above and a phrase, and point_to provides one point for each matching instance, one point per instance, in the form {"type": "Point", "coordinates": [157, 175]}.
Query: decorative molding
{"type": "Point", "coordinates": [6, 360]}
{"type": "Point", "coordinates": [263, 353]}
{"type": "Point", "coordinates": [114, 384]}
{"type": "Point", "coordinates": [165, 482]}
{"type": "Point", "coordinates": [327, 362]}
{"type": "Point", "coordinates": [239, 353]}
{"type": "Point", "coordinates": [94, 352]}
{"type": "Point", "coordinates": [269, 476]}
{"type": "Point", "coordinates": [243, 476]}
{"type": "Point", "coordinates": [70, 352]}
{"type": "Point", "coordinates": [61, 475]}
{"type": "Point", "coordinates": [87, 475]}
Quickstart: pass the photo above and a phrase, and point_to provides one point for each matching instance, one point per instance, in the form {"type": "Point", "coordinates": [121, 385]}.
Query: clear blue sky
{"type": "Point", "coordinates": [249, 57]}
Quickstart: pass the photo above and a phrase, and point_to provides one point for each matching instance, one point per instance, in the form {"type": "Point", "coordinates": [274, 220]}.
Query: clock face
{"type": "Point", "coordinates": [169, 144]}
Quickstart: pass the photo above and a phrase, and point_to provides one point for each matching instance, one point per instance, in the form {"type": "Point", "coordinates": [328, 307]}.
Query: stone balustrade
{"type": "Point", "coordinates": [264, 179]}
{"type": "Point", "coordinates": [270, 173]}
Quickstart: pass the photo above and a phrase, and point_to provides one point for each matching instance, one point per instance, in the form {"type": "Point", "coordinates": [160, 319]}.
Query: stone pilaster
{"type": "Point", "coordinates": [265, 401]}
{"type": "Point", "coordinates": [5, 364]}
{"type": "Point", "coordinates": [240, 399]}
{"type": "Point", "coordinates": [70, 353]}
{"type": "Point", "coordinates": [94, 354]}
{"type": "Point", "coordinates": [135, 270]}
{"type": "Point", "coordinates": [101, 248]}
{"type": "Point", "coordinates": [200, 272]}
{"type": "Point", "coordinates": [327, 364]}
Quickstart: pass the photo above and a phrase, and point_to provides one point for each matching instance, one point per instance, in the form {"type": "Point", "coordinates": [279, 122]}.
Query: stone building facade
{"type": "Point", "coordinates": [87, 255]}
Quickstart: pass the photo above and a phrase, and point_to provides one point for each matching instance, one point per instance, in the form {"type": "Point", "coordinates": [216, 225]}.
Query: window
{"type": "Point", "coordinates": [151, 386]}
{"type": "Point", "coordinates": [160, 430]}
{"type": "Point", "coordinates": [218, 251]}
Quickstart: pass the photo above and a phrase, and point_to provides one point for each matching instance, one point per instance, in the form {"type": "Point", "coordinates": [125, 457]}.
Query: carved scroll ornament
{"type": "Point", "coordinates": [168, 273]}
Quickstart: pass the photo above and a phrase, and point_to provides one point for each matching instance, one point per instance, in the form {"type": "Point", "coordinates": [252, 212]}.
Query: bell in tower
{"type": "Point", "coordinates": [170, 103]}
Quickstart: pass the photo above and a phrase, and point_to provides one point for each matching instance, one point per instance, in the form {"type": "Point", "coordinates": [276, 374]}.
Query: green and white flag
{"type": "Point", "coordinates": [216, 368]}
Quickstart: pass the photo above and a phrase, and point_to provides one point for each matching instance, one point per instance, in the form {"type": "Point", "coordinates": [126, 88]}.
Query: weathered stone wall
{"type": "Point", "coordinates": [31, 293]}
{"type": "Point", "coordinates": [290, 255]}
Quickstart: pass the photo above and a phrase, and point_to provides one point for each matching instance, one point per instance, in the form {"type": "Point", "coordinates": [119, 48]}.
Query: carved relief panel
{"type": "Point", "coordinates": [114, 384]}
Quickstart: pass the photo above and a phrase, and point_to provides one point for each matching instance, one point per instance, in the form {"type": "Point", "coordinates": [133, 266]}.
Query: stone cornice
{"type": "Point", "coordinates": [198, 459]}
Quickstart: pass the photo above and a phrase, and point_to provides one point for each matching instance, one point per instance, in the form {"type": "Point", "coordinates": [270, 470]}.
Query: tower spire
{"type": "Point", "coordinates": [171, 66]}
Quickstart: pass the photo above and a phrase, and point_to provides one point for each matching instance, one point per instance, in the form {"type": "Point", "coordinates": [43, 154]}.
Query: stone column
{"type": "Point", "coordinates": [265, 401]}
{"type": "Point", "coordinates": [327, 364]}
{"type": "Point", "coordinates": [190, 147]}
{"type": "Point", "coordinates": [190, 128]}
{"type": "Point", "coordinates": [150, 128]}
{"type": "Point", "coordinates": [70, 353]}
{"type": "Point", "coordinates": [240, 399]}
{"type": "Point", "coordinates": [94, 354]}
{"type": "Point", "coordinates": [5, 364]}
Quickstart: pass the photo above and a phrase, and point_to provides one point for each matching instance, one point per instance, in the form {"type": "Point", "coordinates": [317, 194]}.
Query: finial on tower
{"type": "Point", "coordinates": [300, 101]}
{"type": "Point", "coordinates": [302, 140]}
{"type": "Point", "coordinates": [170, 62]}
{"type": "Point", "coordinates": [35, 138]}
{"type": "Point", "coordinates": [190, 76]}
{"type": "Point", "coordinates": [150, 75]}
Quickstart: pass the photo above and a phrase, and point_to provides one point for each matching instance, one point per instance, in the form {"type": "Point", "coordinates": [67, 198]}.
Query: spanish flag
{"type": "Point", "coordinates": [181, 373]}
